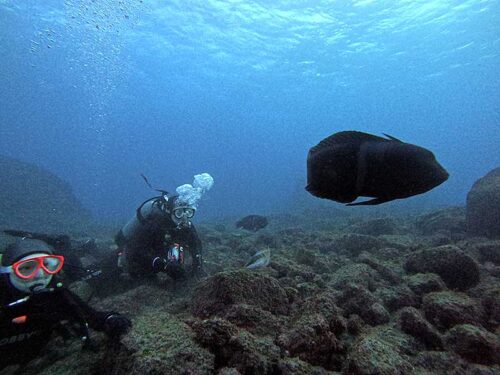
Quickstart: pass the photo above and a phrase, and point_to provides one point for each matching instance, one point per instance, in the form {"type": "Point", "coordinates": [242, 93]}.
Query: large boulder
{"type": "Point", "coordinates": [313, 335]}
{"type": "Point", "coordinates": [384, 351]}
{"type": "Point", "coordinates": [355, 299]}
{"type": "Point", "coordinates": [483, 206]}
{"type": "Point", "coordinates": [411, 321]}
{"type": "Point", "coordinates": [32, 198]}
{"type": "Point", "coordinates": [236, 349]}
{"type": "Point", "coordinates": [312, 341]}
{"type": "Point", "coordinates": [457, 269]}
{"type": "Point", "coordinates": [474, 344]}
{"type": "Point", "coordinates": [218, 293]}
{"type": "Point", "coordinates": [447, 309]}
{"type": "Point", "coordinates": [254, 319]}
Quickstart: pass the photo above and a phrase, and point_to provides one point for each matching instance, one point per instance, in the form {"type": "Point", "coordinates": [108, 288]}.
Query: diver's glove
{"type": "Point", "coordinates": [116, 325]}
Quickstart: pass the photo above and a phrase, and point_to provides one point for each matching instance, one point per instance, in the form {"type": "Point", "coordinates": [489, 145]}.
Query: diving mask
{"type": "Point", "coordinates": [33, 272]}
{"type": "Point", "coordinates": [27, 268]}
{"type": "Point", "coordinates": [183, 211]}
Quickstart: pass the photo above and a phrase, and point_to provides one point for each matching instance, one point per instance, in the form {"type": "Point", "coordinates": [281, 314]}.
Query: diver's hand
{"type": "Point", "coordinates": [116, 325]}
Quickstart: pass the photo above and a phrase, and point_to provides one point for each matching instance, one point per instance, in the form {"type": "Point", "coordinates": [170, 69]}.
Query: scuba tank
{"type": "Point", "coordinates": [149, 216]}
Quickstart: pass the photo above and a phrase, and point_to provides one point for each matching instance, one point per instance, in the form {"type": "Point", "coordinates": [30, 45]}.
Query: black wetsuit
{"type": "Point", "coordinates": [27, 323]}
{"type": "Point", "coordinates": [145, 238]}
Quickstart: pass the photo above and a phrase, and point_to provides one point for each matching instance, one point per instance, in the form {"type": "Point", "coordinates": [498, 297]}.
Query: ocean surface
{"type": "Point", "coordinates": [99, 92]}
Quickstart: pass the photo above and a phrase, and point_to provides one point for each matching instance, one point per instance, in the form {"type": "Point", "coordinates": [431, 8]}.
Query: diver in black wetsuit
{"type": "Point", "coordinates": [161, 232]}
{"type": "Point", "coordinates": [155, 239]}
{"type": "Point", "coordinates": [34, 304]}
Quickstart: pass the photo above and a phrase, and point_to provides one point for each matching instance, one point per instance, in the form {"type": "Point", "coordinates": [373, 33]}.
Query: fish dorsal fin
{"type": "Point", "coordinates": [350, 137]}
{"type": "Point", "coordinates": [392, 138]}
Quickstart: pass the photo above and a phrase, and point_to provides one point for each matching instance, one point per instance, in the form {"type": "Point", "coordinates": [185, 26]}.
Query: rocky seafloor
{"type": "Point", "coordinates": [405, 295]}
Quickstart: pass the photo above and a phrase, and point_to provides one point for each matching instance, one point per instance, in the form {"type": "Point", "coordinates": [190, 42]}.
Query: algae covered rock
{"type": "Point", "coordinates": [295, 366]}
{"type": "Point", "coordinates": [489, 251]}
{"type": "Point", "coordinates": [474, 344]}
{"type": "Point", "coordinates": [483, 206]}
{"type": "Point", "coordinates": [447, 309]}
{"type": "Point", "coordinates": [383, 351]}
{"type": "Point", "coordinates": [234, 348]}
{"type": "Point", "coordinates": [312, 341]}
{"type": "Point", "coordinates": [374, 227]}
{"type": "Point", "coordinates": [217, 293]}
{"type": "Point", "coordinates": [323, 303]}
{"type": "Point", "coordinates": [160, 344]}
{"type": "Point", "coordinates": [491, 303]}
{"type": "Point", "coordinates": [397, 297]}
{"type": "Point", "coordinates": [441, 362]}
{"type": "Point", "coordinates": [385, 269]}
{"type": "Point", "coordinates": [411, 321]}
{"type": "Point", "coordinates": [355, 299]}
{"type": "Point", "coordinates": [423, 283]}
{"type": "Point", "coordinates": [312, 336]}
{"type": "Point", "coordinates": [448, 220]}
{"type": "Point", "coordinates": [359, 273]}
{"type": "Point", "coordinates": [457, 269]}
{"type": "Point", "coordinates": [33, 198]}
{"type": "Point", "coordinates": [253, 319]}
{"type": "Point", "coordinates": [355, 244]}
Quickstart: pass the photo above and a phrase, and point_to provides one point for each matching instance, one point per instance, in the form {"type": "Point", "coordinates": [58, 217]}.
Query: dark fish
{"type": "Point", "coordinates": [351, 164]}
{"type": "Point", "coordinates": [252, 222]}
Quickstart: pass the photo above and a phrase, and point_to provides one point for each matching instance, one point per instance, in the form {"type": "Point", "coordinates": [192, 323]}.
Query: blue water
{"type": "Point", "coordinates": [101, 91]}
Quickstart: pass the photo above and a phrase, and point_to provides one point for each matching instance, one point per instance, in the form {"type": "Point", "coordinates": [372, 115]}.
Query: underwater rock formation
{"type": "Point", "coordinates": [219, 292]}
{"type": "Point", "coordinates": [375, 227]}
{"type": "Point", "coordinates": [474, 344]}
{"type": "Point", "coordinates": [32, 198]}
{"type": "Point", "coordinates": [457, 269]}
{"type": "Point", "coordinates": [411, 321]}
{"type": "Point", "coordinates": [423, 283]}
{"type": "Point", "coordinates": [449, 220]}
{"type": "Point", "coordinates": [382, 350]}
{"type": "Point", "coordinates": [483, 206]}
{"type": "Point", "coordinates": [161, 344]}
{"type": "Point", "coordinates": [447, 309]}
{"type": "Point", "coordinates": [329, 302]}
{"type": "Point", "coordinates": [489, 251]}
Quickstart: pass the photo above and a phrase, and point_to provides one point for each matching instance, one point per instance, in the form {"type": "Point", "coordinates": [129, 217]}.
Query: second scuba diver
{"type": "Point", "coordinates": [34, 304]}
{"type": "Point", "coordinates": [161, 232]}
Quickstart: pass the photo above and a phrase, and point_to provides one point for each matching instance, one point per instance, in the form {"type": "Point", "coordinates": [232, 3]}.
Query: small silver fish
{"type": "Point", "coordinates": [260, 259]}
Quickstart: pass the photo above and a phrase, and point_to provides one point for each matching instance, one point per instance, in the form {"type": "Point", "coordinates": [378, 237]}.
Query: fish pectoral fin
{"type": "Point", "coordinates": [392, 138]}
{"type": "Point", "coordinates": [371, 202]}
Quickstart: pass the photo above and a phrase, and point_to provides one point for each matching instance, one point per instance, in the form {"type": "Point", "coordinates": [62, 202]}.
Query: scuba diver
{"type": "Point", "coordinates": [34, 304]}
{"type": "Point", "coordinates": [71, 250]}
{"type": "Point", "coordinates": [161, 232]}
